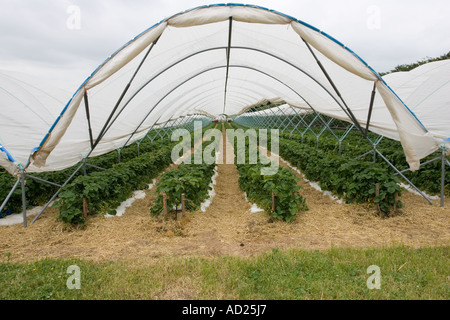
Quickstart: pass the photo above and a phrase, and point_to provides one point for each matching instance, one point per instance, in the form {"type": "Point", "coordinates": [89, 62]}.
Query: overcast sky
{"type": "Point", "coordinates": [65, 40]}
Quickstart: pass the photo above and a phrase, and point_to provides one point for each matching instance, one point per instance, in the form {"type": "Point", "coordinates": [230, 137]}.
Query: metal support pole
{"type": "Point", "coordinates": [230, 32]}
{"type": "Point", "coordinates": [372, 99]}
{"type": "Point", "coordinates": [423, 164]}
{"type": "Point", "coordinates": [42, 180]}
{"type": "Point", "coordinates": [286, 117]}
{"type": "Point", "coordinates": [348, 111]}
{"type": "Point", "coordinates": [88, 117]}
{"type": "Point", "coordinates": [107, 123]}
{"type": "Point", "coordinates": [57, 192]}
{"type": "Point", "coordinates": [348, 130]}
{"type": "Point", "coordinates": [9, 195]}
{"type": "Point", "coordinates": [365, 154]}
{"type": "Point", "coordinates": [403, 176]}
{"type": "Point", "coordinates": [84, 167]}
{"type": "Point", "coordinates": [276, 119]}
{"type": "Point", "coordinates": [301, 120]}
{"type": "Point", "coordinates": [24, 199]}
{"type": "Point", "coordinates": [328, 126]}
{"type": "Point", "coordinates": [96, 167]}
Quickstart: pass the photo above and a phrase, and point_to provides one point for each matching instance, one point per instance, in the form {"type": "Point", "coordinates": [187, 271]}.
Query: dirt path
{"type": "Point", "coordinates": [228, 227]}
{"type": "Point", "coordinates": [221, 229]}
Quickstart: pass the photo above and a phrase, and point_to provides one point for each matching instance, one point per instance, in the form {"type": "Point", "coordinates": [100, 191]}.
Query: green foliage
{"type": "Point", "coordinates": [411, 66]}
{"type": "Point", "coordinates": [192, 180]}
{"type": "Point", "coordinates": [105, 190]}
{"type": "Point", "coordinates": [283, 184]}
{"type": "Point", "coordinates": [353, 180]}
{"type": "Point", "coordinates": [6, 183]}
{"type": "Point", "coordinates": [428, 178]}
{"type": "Point", "coordinates": [259, 188]}
{"type": "Point", "coordinates": [38, 193]}
{"type": "Point", "coordinates": [337, 274]}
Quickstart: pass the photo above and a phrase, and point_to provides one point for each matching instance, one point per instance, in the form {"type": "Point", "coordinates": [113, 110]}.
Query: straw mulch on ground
{"type": "Point", "coordinates": [228, 227]}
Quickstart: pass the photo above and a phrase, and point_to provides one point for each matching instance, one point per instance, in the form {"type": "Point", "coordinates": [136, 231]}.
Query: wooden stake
{"type": "Point", "coordinates": [273, 201]}
{"type": "Point", "coordinates": [165, 204]}
{"type": "Point", "coordinates": [377, 193]}
{"type": "Point", "coordinates": [395, 201]}
{"type": "Point", "coordinates": [85, 208]}
{"type": "Point", "coordinates": [182, 205]}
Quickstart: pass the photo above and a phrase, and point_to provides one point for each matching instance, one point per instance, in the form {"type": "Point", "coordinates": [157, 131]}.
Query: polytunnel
{"type": "Point", "coordinates": [207, 61]}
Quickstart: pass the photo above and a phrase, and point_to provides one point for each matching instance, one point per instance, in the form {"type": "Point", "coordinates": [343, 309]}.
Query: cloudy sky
{"type": "Point", "coordinates": [65, 40]}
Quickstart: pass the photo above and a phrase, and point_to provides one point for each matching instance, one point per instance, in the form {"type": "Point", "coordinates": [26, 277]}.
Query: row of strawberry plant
{"type": "Point", "coordinates": [103, 191]}
{"type": "Point", "coordinates": [192, 180]}
{"type": "Point", "coordinates": [276, 193]}
{"type": "Point", "coordinates": [353, 180]}
{"type": "Point", "coordinates": [428, 178]}
{"type": "Point", "coordinates": [38, 193]}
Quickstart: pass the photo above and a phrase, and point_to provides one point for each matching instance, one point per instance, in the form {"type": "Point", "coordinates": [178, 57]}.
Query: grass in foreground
{"type": "Point", "coordinates": [283, 275]}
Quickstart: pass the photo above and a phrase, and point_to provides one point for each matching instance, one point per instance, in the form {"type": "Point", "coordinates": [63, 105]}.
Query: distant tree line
{"type": "Point", "coordinates": [409, 67]}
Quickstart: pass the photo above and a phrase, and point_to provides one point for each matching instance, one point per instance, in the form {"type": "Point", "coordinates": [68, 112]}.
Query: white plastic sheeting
{"type": "Point", "coordinates": [426, 90]}
{"type": "Point", "coordinates": [281, 110]}
{"type": "Point", "coordinates": [28, 108]}
{"type": "Point", "coordinates": [184, 65]}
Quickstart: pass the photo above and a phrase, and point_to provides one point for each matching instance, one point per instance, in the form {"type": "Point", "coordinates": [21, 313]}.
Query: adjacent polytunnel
{"type": "Point", "coordinates": [211, 60]}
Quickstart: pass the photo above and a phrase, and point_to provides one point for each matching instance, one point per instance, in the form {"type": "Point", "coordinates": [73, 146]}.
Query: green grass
{"type": "Point", "coordinates": [336, 274]}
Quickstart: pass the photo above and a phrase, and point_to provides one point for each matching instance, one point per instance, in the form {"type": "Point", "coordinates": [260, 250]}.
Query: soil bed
{"type": "Point", "coordinates": [228, 227]}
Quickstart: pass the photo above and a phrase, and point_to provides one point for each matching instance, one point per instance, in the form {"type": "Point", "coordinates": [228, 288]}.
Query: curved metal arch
{"type": "Point", "coordinates": [157, 75]}
{"type": "Point", "coordinates": [205, 100]}
{"type": "Point", "coordinates": [203, 92]}
{"type": "Point", "coordinates": [207, 70]}
{"type": "Point", "coordinates": [172, 108]}
{"type": "Point", "coordinates": [225, 48]}
{"type": "Point", "coordinates": [242, 80]}
{"type": "Point", "coordinates": [215, 88]}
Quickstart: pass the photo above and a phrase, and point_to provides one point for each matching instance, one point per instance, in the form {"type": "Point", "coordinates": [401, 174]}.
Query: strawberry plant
{"type": "Point", "coordinates": [283, 184]}
{"type": "Point", "coordinates": [192, 180]}
{"type": "Point", "coordinates": [38, 193]}
{"type": "Point", "coordinates": [105, 190]}
{"type": "Point", "coordinates": [353, 180]}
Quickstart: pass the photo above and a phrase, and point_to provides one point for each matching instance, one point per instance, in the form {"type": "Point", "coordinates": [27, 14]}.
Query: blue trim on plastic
{"type": "Point", "coordinates": [43, 141]}
{"type": "Point", "coordinates": [224, 5]}
{"type": "Point", "coordinates": [8, 155]}
{"type": "Point", "coordinates": [334, 40]}
{"type": "Point", "coordinates": [308, 26]}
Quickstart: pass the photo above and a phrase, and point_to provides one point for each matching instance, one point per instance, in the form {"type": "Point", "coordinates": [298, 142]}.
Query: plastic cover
{"type": "Point", "coordinates": [183, 65]}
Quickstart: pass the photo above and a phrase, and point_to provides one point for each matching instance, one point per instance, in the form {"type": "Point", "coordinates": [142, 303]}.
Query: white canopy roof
{"type": "Point", "coordinates": [216, 59]}
{"type": "Point", "coordinates": [279, 111]}
{"type": "Point", "coordinates": [426, 90]}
